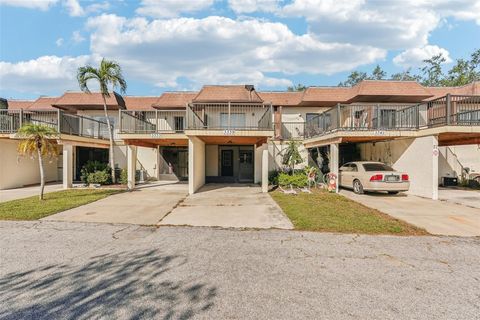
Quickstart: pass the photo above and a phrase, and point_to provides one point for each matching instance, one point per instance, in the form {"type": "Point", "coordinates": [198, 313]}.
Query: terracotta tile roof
{"type": "Point", "coordinates": [43, 103]}
{"type": "Point", "coordinates": [468, 89]}
{"type": "Point", "coordinates": [327, 94]}
{"type": "Point", "coordinates": [139, 103]}
{"type": "Point", "coordinates": [88, 100]}
{"type": "Point", "coordinates": [19, 104]}
{"type": "Point", "coordinates": [390, 88]}
{"type": "Point", "coordinates": [174, 99]}
{"type": "Point", "coordinates": [282, 98]}
{"type": "Point", "coordinates": [232, 93]}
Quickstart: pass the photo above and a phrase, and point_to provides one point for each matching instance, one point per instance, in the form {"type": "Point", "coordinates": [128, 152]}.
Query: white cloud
{"type": "Point", "coordinates": [74, 8]}
{"type": "Point", "coordinates": [77, 37]}
{"type": "Point", "coordinates": [218, 50]}
{"type": "Point", "coordinates": [414, 57]}
{"type": "Point", "coordinates": [59, 42]}
{"type": "Point", "coordinates": [42, 75]}
{"type": "Point", "coordinates": [171, 8]}
{"type": "Point", "coordinates": [392, 24]}
{"type": "Point", "coordinates": [249, 6]}
{"type": "Point", "coordinates": [30, 4]}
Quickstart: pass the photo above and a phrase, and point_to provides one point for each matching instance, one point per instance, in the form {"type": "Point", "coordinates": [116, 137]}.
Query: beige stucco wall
{"type": "Point", "coordinates": [454, 158]}
{"type": "Point", "coordinates": [257, 168]}
{"type": "Point", "coordinates": [15, 174]}
{"type": "Point", "coordinates": [276, 150]}
{"type": "Point", "coordinates": [211, 161]}
{"type": "Point", "coordinates": [413, 156]}
{"type": "Point", "coordinates": [196, 164]}
{"type": "Point", "coordinates": [298, 114]}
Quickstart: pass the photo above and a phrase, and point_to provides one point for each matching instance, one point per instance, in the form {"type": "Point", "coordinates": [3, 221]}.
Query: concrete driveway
{"type": "Point", "coordinates": [25, 192]}
{"type": "Point", "coordinates": [147, 205]}
{"type": "Point", "coordinates": [469, 198]}
{"type": "Point", "coordinates": [229, 206]}
{"type": "Point", "coordinates": [437, 217]}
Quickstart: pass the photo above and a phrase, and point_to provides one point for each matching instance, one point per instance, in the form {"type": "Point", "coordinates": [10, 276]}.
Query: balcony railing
{"type": "Point", "coordinates": [292, 131]}
{"type": "Point", "coordinates": [459, 110]}
{"type": "Point", "coordinates": [154, 121]}
{"type": "Point", "coordinates": [449, 110]}
{"type": "Point", "coordinates": [231, 116]}
{"type": "Point", "coordinates": [72, 124]}
{"type": "Point", "coordinates": [366, 117]}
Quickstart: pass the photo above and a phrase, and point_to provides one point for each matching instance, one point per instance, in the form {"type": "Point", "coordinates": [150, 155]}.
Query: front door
{"type": "Point", "coordinates": [245, 167]}
{"type": "Point", "coordinates": [227, 163]}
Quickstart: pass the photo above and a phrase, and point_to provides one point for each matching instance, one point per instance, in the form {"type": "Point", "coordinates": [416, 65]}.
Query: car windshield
{"type": "Point", "coordinates": [376, 167]}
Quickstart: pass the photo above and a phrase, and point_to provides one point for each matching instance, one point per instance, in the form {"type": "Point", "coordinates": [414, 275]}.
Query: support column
{"type": "Point", "coordinates": [265, 170]}
{"type": "Point", "coordinates": [335, 161]}
{"type": "Point", "coordinates": [196, 164]}
{"type": "Point", "coordinates": [435, 157]}
{"type": "Point", "coordinates": [131, 166]}
{"type": "Point", "coordinates": [67, 165]}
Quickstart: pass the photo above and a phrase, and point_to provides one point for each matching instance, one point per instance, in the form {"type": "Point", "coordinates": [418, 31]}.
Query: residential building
{"type": "Point", "coordinates": [220, 133]}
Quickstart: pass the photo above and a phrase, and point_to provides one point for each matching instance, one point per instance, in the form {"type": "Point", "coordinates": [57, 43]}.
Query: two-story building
{"type": "Point", "coordinates": [220, 133]}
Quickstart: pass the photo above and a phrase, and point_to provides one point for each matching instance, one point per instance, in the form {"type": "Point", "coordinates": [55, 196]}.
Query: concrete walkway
{"type": "Point", "coordinates": [469, 198]}
{"type": "Point", "coordinates": [25, 192]}
{"type": "Point", "coordinates": [437, 217]}
{"type": "Point", "coordinates": [229, 206]}
{"type": "Point", "coordinates": [147, 205]}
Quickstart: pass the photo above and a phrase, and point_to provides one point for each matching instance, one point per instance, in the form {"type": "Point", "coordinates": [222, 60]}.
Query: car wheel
{"type": "Point", "coordinates": [392, 192]}
{"type": "Point", "coordinates": [357, 187]}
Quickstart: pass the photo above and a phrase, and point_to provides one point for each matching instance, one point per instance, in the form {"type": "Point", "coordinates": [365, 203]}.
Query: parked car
{"type": "Point", "coordinates": [372, 176]}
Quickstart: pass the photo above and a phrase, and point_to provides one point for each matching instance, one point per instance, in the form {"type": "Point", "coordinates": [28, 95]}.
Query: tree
{"type": "Point", "coordinates": [297, 87]}
{"type": "Point", "coordinates": [378, 74]}
{"type": "Point", "coordinates": [464, 71]}
{"type": "Point", "coordinates": [405, 76]}
{"type": "Point", "coordinates": [37, 142]}
{"type": "Point", "coordinates": [354, 78]}
{"type": "Point", "coordinates": [108, 74]}
{"type": "Point", "coordinates": [292, 155]}
{"type": "Point", "coordinates": [432, 71]}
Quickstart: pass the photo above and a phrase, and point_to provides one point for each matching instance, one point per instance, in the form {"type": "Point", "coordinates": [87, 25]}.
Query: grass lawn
{"type": "Point", "coordinates": [31, 208]}
{"type": "Point", "coordinates": [324, 211]}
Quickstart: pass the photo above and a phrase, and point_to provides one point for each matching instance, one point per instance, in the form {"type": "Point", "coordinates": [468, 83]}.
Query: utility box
{"type": "Point", "coordinates": [449, 182]}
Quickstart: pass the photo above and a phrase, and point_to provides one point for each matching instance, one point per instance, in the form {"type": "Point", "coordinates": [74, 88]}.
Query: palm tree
{"type": "Point", "coordinates": [37, 142]}
{"type": "Point", "coordinates": [108, 74]}
{"type": "Point", "coordinates": [292, 156]}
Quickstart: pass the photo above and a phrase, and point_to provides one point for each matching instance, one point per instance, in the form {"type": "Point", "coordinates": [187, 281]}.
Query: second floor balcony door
{"type": "Point", "coordinates": [237, 120]}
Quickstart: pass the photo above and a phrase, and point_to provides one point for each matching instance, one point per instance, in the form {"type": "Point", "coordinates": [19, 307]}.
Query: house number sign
{"type": "Point", "coordinates": [229, 132]}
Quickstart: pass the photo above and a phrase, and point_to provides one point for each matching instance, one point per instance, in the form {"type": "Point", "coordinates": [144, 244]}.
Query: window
{"type": "Point", "coordinates": [354, 167]}
{"type": "Point", "coordinates": [179, 123]}
{"type": "Point", "coordinates": [377, 167]}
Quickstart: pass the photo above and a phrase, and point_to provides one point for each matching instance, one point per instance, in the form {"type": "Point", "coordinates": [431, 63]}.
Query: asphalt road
{"type": "Point", "coordinates": [52, 270]}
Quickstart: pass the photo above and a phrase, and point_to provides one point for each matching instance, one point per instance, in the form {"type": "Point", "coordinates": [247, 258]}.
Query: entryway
{"type": "Point", "coordinates": [234, 164]}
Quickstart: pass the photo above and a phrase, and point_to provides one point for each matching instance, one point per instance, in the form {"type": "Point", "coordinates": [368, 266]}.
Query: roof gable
{"type": "Point", "coordinates": [228, 93]}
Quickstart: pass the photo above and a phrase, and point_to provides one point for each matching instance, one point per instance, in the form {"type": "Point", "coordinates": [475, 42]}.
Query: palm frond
{"type": "Point", "coordinates": [35, 137]}
{"type": "Point", "coordinates": [84, 74]}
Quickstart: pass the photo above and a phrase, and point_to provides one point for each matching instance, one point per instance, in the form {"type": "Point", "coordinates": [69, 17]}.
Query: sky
{"type": "Point", "coordinates": [169, 45]}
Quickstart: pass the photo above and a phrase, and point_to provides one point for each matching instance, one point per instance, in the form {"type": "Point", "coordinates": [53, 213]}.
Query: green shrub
{"type": "Point", "coordinates": [99, 177]}
{"type": "Point", "coordinates": [123, 176]}
{"type": "Point", "coordinates": [295, 180]}
{"type": "Point", "coordinates": [91, 167]}
{"type": "Point", "coordinates": [273, 177]}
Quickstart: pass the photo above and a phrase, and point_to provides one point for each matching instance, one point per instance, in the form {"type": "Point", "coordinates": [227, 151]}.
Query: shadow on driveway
{"type": "Point", "coordinates": [131, 285]}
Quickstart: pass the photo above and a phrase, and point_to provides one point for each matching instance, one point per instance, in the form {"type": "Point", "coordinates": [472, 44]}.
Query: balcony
{"type": "Point", "coordinates": [451, 110]}
{"type": "Point", "coordinates": [151, 122]}
{"type": "Point", "coordinates": [63, 123]}
{"type": "Point", "coordinates": [229, 117]}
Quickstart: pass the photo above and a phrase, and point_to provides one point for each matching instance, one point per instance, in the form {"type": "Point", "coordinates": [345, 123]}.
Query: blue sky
{"type": "Point", "coordinates": [182, 44]}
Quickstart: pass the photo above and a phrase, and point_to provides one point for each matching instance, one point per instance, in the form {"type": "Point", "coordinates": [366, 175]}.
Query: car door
{"type": "Point", "coordinates": [353, 173]}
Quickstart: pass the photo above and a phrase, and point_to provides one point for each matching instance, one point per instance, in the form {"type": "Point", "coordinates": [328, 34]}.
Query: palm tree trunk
{"type": "Point", "coordinates": [110, 135]}
{"type": "Point", "coordinates": [42, 173]}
